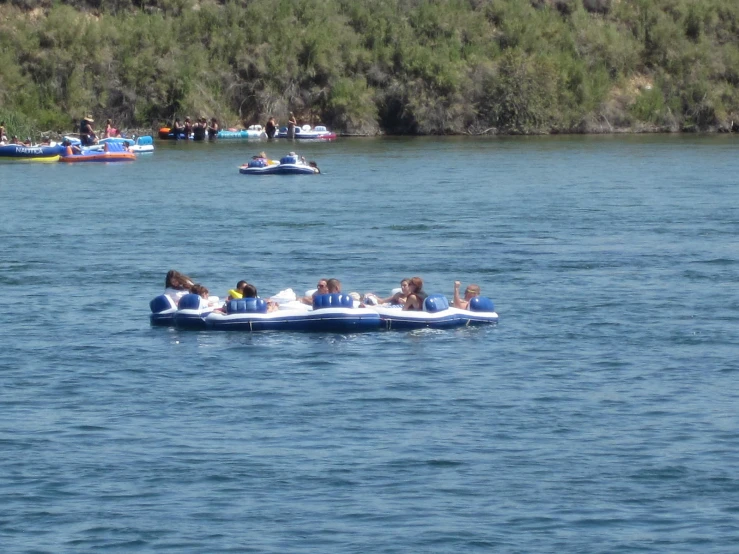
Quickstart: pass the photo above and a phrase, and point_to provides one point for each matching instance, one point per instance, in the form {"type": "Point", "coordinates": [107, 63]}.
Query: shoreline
{"type": "Point", "coordinates": [733, 129]}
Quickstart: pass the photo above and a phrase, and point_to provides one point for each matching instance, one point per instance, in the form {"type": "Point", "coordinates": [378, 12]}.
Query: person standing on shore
{"type": "Point", "coordinates": [291, 124]}
{"type": "Point", "coordinates": [271, 128]}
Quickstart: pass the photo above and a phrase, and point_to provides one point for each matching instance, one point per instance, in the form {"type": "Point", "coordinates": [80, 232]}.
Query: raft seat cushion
{"type": "Point", "coordinates": [481, 304]}
{"type": "Point", "coordinates": [115, 147]}
{"type": "Point", "coordinates": [289, 160]}
{"type": "Point", "coordinates": [436, 303]}
{"type": "Point", "coordinates": [189, 302]}
{"type": "Point", "coordinates": [247, 306]}
{"type": "Point", "coordinates": [333, 300]}
{"type": "Point", "coordinates": [259, 162]}
{"type": "Point", "coordinates": [144, 141]}
{"type": "Point", "coordinates": [160, 304]}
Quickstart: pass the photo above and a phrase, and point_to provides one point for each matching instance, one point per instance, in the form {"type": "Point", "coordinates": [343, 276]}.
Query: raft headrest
{"type": "Point", "coordinates": [145, 140]}
{"type": "Point", "coordinates": [289, 160]}
{"type": "Point", "coordinates": [161, 303]}
{"type": "Point", "coordinates": [189, 302]}
{"type": "Point", "coordinates": [247, 306]}
{"type": "Point", "coordinates": [481, 304]}
{"type": "Point", "coordinates": [333, 300]}
{"type": "Point", "coordinates": [436, 303]}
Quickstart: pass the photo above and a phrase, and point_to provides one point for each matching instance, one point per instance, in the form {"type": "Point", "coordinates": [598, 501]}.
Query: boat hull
{"type": "Point", "coordinates": [94, 156]}
{"type": "Point", "coordinates": [19, 152]}
{"type": "Point", "coordinates": [242, 134]}
{"type": "Point", "coordinates": [397, 318]}
{"type": "Point", "coordinates": [279, 169]}
{"type": "Point", "coordinates": [328, 320]}
{"type": "Point", "coordinates": [307, 133]}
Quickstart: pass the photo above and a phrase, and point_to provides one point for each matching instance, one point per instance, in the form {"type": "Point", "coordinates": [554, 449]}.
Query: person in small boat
{"type": "Point", "coordinates": [250, 291]}
{"type": "Point", "coordinates": [314, 166]}
{"type": "Point", "coordinates": [187, 128]}
{"type": "Point", "coordinates": [271, 128]}
{"type": "Point", "coordinates": [213, 129]}
{"type": "Point", "coordinates": [27, 142]}
{"type": "Point", "coordinates": [397, 299]}
{"type": "Point", "coordinates": [238, 292]}
{"type": "Point", "coordinates": [87, 133]}
{"type": "Point", "coordinates": [177, 285]}
{"type": "Point", "coordinates": [71, 148]}
{"type": "Point", "coordinates": [204, 294]}
{"type": "Point", "coordinates": [3, 136]}
{"type": "Point", "coordinates": [15, 140]}
{"type": "Point", "coordinates": [334, 286]}
{"type": "Point", "coordinates": [470, 292]}
{"type": "Point", "coordinates": [291, 124]}
{"type": "Point", "coordinates": [416, 295]}
{"type": "Point", "coordinates": [321, 288]}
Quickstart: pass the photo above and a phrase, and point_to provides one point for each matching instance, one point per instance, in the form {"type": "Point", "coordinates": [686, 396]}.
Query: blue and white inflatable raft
{"type": "Point", "coordinates": [330, 313]}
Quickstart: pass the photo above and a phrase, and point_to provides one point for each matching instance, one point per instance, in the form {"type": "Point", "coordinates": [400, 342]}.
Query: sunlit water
{"type": "Point", "coordinates": [600, 415]}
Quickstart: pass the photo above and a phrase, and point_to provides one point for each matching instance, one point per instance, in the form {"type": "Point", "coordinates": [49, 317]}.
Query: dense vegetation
{"type": "Point", "coordinates": [375, 66]}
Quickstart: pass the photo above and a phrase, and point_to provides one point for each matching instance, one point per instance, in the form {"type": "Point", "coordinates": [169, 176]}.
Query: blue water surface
{"type": "Point", "coordinates": [600, 415]}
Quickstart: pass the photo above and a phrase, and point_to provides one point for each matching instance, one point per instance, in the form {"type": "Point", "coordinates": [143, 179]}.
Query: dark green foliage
{"type": "Point", "coordinates": [374, 66]}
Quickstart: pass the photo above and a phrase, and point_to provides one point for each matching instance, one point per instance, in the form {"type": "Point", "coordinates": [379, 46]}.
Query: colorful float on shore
{"type": "Point", "coordinates": [138, 145]}
{"type": "Point", "coordinates": [319, 132]}
{"type": "Point", "coordinates": [111, 152]}
{"type": "Point", "coordinates": [253, 132]}
{"type": "Point", "coordinates": [28, 153]}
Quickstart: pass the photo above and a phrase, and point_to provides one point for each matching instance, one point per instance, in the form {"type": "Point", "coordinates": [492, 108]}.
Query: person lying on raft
{"type": "Point", "coordinates": [470, 292]}
{"type": "Point", "coordinates": [416, 295]}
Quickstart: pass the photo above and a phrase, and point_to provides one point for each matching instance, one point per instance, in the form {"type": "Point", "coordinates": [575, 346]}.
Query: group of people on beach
{"type": "Point", "coordinates": [200, 129]}
{"type": "Point", "coordinates": [411, 295]}
{"type": "Point", "coordinates": [271, 127]}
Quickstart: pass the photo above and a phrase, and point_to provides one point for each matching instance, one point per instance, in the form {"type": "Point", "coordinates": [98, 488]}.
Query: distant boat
{"type": "Point", "coordinates": [319, 132]}
{"type": "Point", "coordinates": [253, 132]}
{"type": "Point", "coordinates": [288, 165]}
{"type": "Point", "coordinates": [112, 152]}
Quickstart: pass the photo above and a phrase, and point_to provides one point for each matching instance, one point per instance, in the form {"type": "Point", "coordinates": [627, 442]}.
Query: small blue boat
{"type": "Point", "coordinates": [288, 165]}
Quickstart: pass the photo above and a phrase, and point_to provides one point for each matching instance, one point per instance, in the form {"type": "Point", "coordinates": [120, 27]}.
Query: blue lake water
{"type": "Point", "coordinates": [600, 415]}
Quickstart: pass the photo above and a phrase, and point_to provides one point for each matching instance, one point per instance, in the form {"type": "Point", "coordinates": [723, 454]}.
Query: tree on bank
{"type": "Point", "coordinates": [376, 66]}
